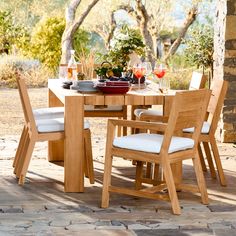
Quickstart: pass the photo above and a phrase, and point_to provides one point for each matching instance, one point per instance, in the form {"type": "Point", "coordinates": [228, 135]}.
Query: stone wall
{"type": "Point", "coordinates": [225, 64]}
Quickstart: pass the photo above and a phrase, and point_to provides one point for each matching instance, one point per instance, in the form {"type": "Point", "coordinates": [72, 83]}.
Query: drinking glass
{"type": "Point", "coordinates": [62, 72]}
{"type": "Point", "coordinates": [159, 70]}
{"type": "Point", "coordinates": [164, 85]}
{"type": "Point", "coordinates": [148, 67]}
{"type": "Point", "coordinates": [139, 71]}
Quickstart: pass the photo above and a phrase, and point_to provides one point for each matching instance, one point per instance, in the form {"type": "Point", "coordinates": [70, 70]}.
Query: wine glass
{"type": "Point", "coordinates": [139, 71]}
{"type": "Point", "coordinates": [159, 70]}
{"type": "Point", "coordinates": [148, 67]}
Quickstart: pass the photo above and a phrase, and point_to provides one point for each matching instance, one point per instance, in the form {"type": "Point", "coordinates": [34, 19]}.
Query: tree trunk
{"type": "Point", "coordinates": [143, 17]}
{"type": "Point", "coordinates": [72, 25]}
{"type": "Point", "coordinates": [188, 21]}
{"type": "Point", "coordinates": [112, 30]}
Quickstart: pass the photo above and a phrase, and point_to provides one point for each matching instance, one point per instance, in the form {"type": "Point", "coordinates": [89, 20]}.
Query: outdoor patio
{"type": "Point", "coordinates": [41, 207]}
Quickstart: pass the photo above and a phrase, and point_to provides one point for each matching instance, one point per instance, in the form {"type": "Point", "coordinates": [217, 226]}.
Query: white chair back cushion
{"type": "Point", "coordinates": [151, 112]}
{"type": "Point", "coordinates": [152, 143]}
{"type": "Point", "coordinates": [205, 128]}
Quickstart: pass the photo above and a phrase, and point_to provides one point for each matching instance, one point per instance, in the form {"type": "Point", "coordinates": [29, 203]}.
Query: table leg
{"type": "Point", "coordinates": [177, 172]}
{"type": "Point", "coordinates": [74, 144]}
{"type": "Point", "coordinates": [55, 148]}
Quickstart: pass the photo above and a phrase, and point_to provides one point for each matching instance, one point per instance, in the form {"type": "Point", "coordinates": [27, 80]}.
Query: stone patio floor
{"type": "Point", "coordinates": [41, 207]}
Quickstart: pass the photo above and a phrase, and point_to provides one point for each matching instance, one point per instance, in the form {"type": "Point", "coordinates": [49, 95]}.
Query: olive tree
{"type": "Point", "coordinates": [72, 24]}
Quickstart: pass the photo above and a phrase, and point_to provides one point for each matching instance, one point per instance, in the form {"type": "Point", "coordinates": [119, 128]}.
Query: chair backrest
{"type": "Point", "coordinates": [25, 101]}
{"type": "Point", "coordinates": [198, 81]}
{"type": "Point", "coordinates": [188, 110]}
{"type": "Point", "coordinates": [219, 88]}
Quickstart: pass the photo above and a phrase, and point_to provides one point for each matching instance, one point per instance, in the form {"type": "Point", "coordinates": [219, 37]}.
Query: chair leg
{"type": "Point", "coordinates": [171, 187]}
{"type": "Point", "coordinates": [119, 129]}
{"type": "Point", "coordinates": [25, 163]}
{"type": "Point", "coordinates": [218, 162]}
{"type": "Point", "coordinates": [209, 159]}
{"type": "Point", "coordinates": [139, 175]}
{"type": "Point", "coordinates": [200, 179]}
{"type": "Point", "coordinates": [148, 170]}
{"type": "Point", "coordinates": [156, 172]}
{"type": "Point", "coordinates": [20, 146]}
{"type": "Point", "coordinates": [124, 118]}
{"type": "Point", "coordinates": [106, 180]}
{"type": "Point", "coordinates": [21, 158]}
{"type": "Point", "coordinates": [203, 164]}
{"type": "Point", "coordinates": [89, 156]}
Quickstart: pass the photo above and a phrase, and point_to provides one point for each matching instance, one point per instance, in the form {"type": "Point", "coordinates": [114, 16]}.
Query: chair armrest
{"type": "Point", "coordinates": [139, 124]}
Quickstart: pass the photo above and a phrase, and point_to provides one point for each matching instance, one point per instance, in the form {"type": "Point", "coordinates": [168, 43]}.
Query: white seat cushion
{"type": "Point", "coordinates": [53, 125]}
{"type": "Point", "coordinates": [49, 113]}
{"type": "Point", "coordinates": [205, 128]}
{"type": "Point", "coordinates": [151, 112]}
{"type": "Point", "coordinates": [108, 108]}
{"type": "Point", "coordinates": [152, 143]}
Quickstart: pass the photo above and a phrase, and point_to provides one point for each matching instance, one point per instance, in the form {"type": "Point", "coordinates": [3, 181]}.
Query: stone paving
{"type": "Point", "coordinates": [41, 207]}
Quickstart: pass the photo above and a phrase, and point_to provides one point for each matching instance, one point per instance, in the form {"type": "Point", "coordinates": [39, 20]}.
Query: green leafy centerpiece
{"type": "Point", "coordinates": [128, 41]}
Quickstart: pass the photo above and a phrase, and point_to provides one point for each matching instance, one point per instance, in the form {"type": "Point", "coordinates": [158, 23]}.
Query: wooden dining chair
{"type": "Point", "coordinates": [207, 136]}
{"type": "Point", "coordinates": [189, 109]}
{"type": "Point", "coordinates": [40, 113]}
{"type": "Point", "coordinates": [42, 129]}
{"type": "Point", "coordinates": [198, 81]}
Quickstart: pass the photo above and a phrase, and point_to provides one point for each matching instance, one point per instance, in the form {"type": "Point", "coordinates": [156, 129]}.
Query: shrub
{"type": "Point", "coordinates": [180, 79]}
{"type": "Point", "coordinates": [200, 46]}
{"type": "Point", "coordinates": [36, 74]}
{"type": "Point", "coordinates": [46, 41]}
{"type": "Point", "coordinates": [11, 33]}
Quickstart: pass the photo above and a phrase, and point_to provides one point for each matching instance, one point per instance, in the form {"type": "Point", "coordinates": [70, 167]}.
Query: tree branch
{"type": "Point", "coordinates": [191, 17]}
{"type": "Point", "coordinates": [113, 27]}
{"type": "Point", "coordinates": [79, 21]}
{"type": "Point", "coordinates": [71, 26]}
{"type": "Point", "coordinates": [71, 10]}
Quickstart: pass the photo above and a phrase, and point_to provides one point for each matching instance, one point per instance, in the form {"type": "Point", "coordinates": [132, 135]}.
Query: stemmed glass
{"type": "Point", "coordinates": [148, 67]}
{"type": "Point", "coordinates": [160, 71]}
{"type": "Point", "coordinates": [139, 70]}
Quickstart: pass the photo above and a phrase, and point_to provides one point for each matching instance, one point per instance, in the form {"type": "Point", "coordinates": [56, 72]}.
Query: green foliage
{"type": "Point", "coordinates": [81, 41]}
{"type": "Point", "coordinates": [200, 46]}
{"type": "Point", "coordinates": [126, 42]}
{"type": "Point", "coordinates": [180, 78]}
{"type": "Point", "coordinates": [10, 33]}
{"type": "Point", "coordinates": [46, 41]}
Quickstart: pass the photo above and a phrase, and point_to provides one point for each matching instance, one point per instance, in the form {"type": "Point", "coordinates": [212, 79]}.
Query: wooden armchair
{"type": "Point", "coordinates": [165, 149]}
{"type": "Point", "coordinates": [43, 126]}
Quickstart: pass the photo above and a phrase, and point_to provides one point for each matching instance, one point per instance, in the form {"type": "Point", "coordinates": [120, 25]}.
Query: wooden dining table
{"type": "Point", "coordinates": [71, 151]}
